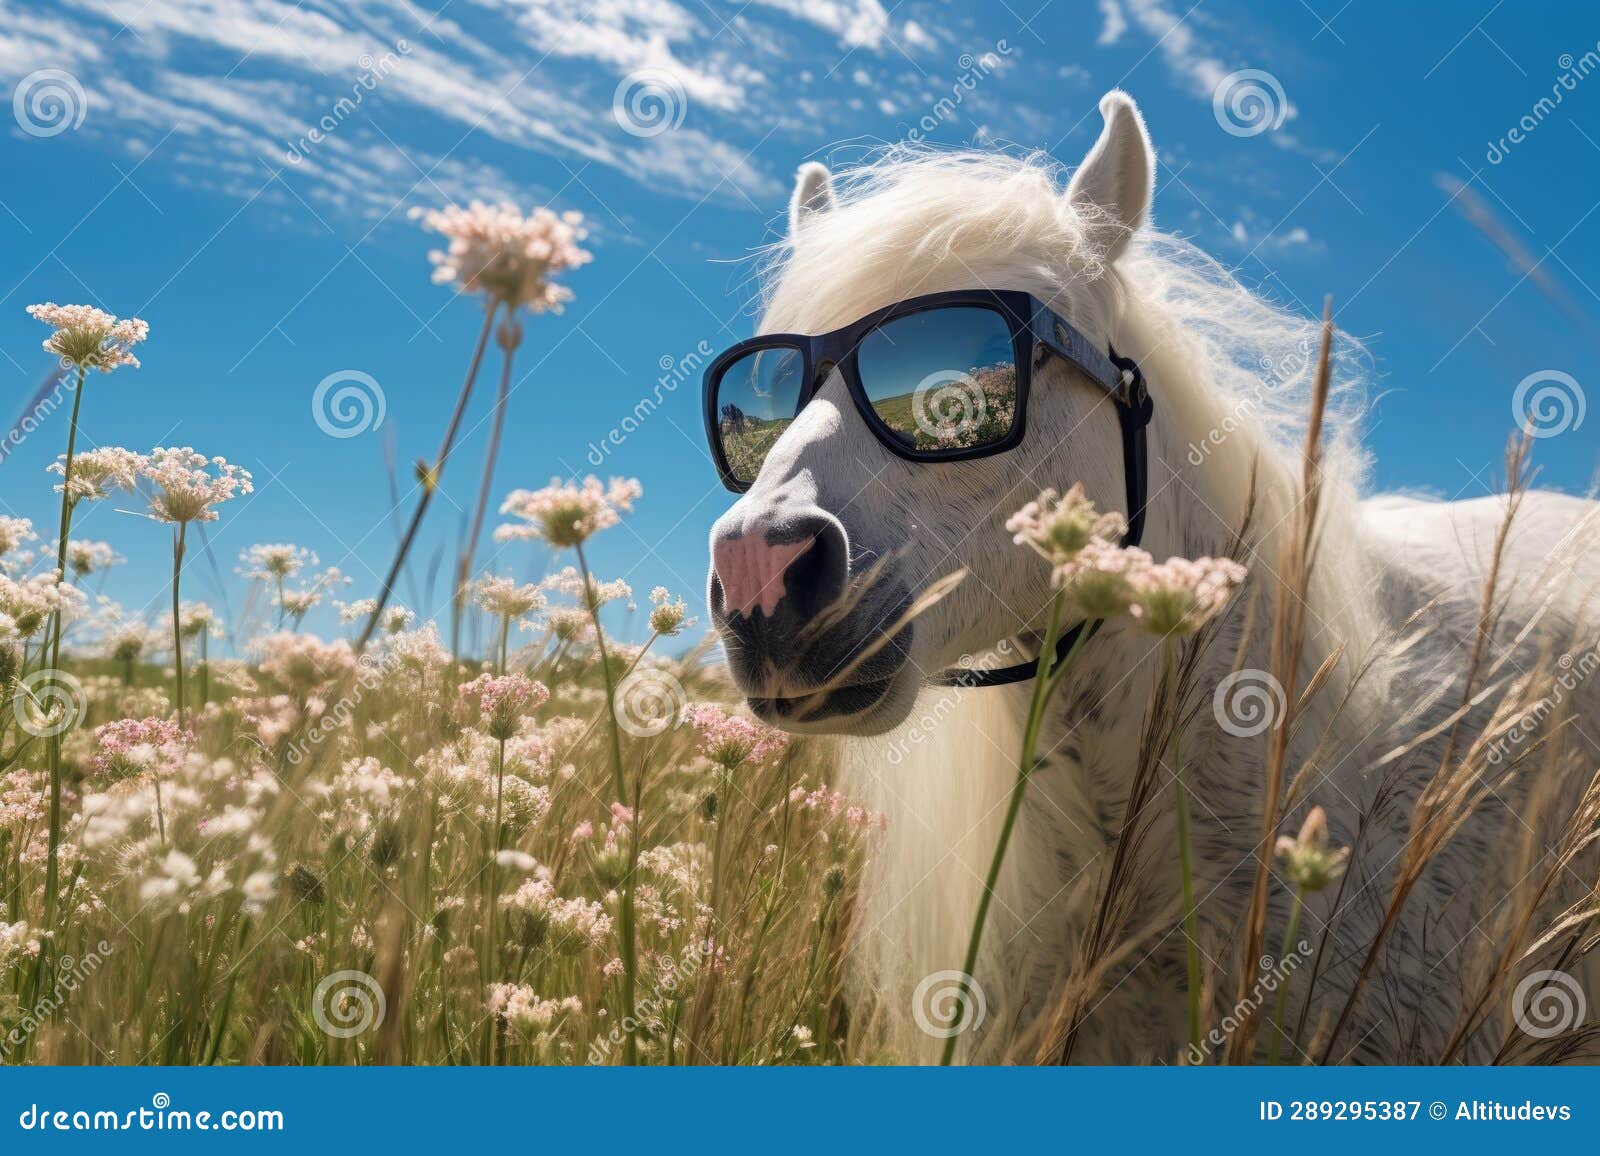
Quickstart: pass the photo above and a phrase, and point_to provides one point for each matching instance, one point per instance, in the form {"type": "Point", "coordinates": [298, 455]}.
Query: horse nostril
{"type": "Point", "coordinates": [799, 563]}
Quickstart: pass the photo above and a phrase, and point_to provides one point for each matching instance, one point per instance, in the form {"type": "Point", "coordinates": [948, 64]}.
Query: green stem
{"type": "Point", "coordinates": [430, 483]}
{"type": "Point", "coordinates": [53, 744]}
{"type": "Point", "coordinates": [1042, 685]}
{"type": "Point", "coordinates": [630, 1045]}
{"type": "Point", "coordinates": [178, 539]}
{"type": "Point", "coordinates": [509, 337]}
{"type": "Point", "coordinates": [489, 945]}
{"type": "Point", "coordinates": [1282, 1003]}
{"type": "Point", "coordinates": [1181, 796]}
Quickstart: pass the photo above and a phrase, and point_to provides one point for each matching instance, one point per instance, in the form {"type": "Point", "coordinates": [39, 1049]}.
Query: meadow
{"type": "Point", "coordinates": [496, 832]}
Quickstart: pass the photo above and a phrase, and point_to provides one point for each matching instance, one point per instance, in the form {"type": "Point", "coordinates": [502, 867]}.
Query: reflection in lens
{"type": "Point", "coordinates": [942, 379]}
{"type": "Point", "coordinates": [756, 401]}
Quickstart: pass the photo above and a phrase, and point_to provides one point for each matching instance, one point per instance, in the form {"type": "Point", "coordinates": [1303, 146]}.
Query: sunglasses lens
{"type": "Point", "coordinates": [757, 399]}
{"type": "Point", "coordinates": [942, 379]}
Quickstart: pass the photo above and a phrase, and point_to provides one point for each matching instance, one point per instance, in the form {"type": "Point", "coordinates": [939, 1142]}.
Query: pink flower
{"type": "Point", "coordinates": [1056, 527]}
{"type": "Point", "coordinates": [497, 251]}
{"type": "Point", "coordinates": [584, 830]}
{"type": "Point", "coordinates": [90, 338]}
{"type": "Point", "coordinates": [623, 815]}
{"type": "Point", "coordinates": [733, 740]}
{"type": "Point", "coordinates": [1179, 596]}
{"type": "Point", "coordinates": [503, 699]}
{"type": "Point", "coordinates": [135, 745]}
{"type": "Point", "coordinates": [565, 514]}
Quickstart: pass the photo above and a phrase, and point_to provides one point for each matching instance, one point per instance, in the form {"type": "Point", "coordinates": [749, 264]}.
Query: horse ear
{"type": "Point", "coordinates": [813, 194]}
{"type": "Point", "coordinates": [1116, 180]}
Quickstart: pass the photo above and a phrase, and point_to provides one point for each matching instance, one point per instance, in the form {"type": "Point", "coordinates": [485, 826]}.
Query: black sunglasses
{"type": "Point", "coordinates": [938, 378]}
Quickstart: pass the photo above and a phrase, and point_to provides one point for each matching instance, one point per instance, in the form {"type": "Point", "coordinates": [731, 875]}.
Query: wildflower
{"type": "Point", "coordinates": [298, 603]}
{"type": "Point", "coordinates": [395, 617]}
{"type": "Point", "coordinates": [593, 594]}
{"type": "Point", "coordinates": [15, 941]}
{"type": "Point", "coordinates": [28, 604]}
{"type": "Point", "coordinates": [14, 532]}
{"type": "Point", "coordinates": [133, 746]}
{"type": "Point", "coordinates": [273, 562]}
{"type": "Point", "coordinates": [87, 558]}
{"type": "Point", "coordinates": [1100, 580]}
{"type": "Point", "coordinates": [525, 1013]}
{"type": "Point", "coordinates": [503, 598]}
{"type": "Point", "coordinates": [1057, 527]}
{"type": "Point", "coordinates": [1179, 596]}
{"type": "Point", "coordinates": [96, 472]}
{"type": "Point", "coordinates": [514, 860]}
{"type": "Point", "coordinates": [566, 514]}
{"type": "Point", "coordinates": [509, 258]}
{"type": "Point", "coordinates": [303, 661]}
{"type": "Point", "coordinates": [1307, 859]}
{"type": "Point", "coordinates": [90, 338]}
{"type": "Point", "coordinates": [185, 489]}
{"type": "Point", "coordinates": [504, 699]}
{"type": "Point", "coordinates": [622, 814]}
{"type": "Point", "coordinates": [259, 888]}
{"type": "Point", "coordinates": [195, 619]}
{"type": "Point", "coordinates": [541, 918]}
{"type": "Point", "coordinates": [732, 740]}
{"type": "Point", "coordinates": [569, 625]}
{"type": "Point", "coordinates": [667, 617]}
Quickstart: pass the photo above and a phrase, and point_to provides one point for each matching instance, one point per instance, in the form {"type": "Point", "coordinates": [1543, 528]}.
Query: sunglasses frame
{"type": "Point", "coordinates": [1037, 331]}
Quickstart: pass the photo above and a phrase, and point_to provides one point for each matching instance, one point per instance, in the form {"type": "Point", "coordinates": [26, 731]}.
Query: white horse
{"type": "Point", "coordinates": [1229, 374]}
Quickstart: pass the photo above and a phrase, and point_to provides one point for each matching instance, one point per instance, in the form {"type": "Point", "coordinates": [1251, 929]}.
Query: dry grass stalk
{"type": "Point", "coordinates": [1288, 635]}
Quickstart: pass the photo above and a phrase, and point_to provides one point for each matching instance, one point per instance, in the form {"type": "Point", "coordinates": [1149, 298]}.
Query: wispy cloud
{"type": "Point", "coordinates": [251, 92]}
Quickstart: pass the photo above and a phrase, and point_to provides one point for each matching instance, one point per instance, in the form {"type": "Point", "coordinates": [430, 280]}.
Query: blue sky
{"type": "Point", "coordinates": [181, 182]}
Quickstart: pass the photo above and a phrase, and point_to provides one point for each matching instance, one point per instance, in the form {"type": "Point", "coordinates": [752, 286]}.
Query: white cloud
{"type": "Point", "coordinates": [862, 24]}
{"type": "Point", "coordinates": [1112, 22]}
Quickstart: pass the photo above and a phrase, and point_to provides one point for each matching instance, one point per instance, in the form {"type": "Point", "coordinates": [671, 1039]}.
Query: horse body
{"type": "Point", "coordinates": [1229, 374]}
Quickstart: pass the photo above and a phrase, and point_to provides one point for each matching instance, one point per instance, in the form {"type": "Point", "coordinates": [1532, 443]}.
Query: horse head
{"type": "Point", "coordinates": [831, 576]}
